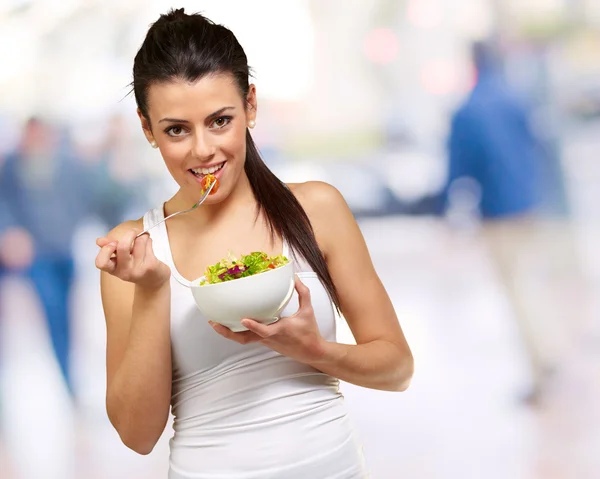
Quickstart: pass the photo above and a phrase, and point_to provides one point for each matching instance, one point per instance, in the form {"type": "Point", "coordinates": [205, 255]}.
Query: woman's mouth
{"type": "Point", "coordinates": [202, 172]}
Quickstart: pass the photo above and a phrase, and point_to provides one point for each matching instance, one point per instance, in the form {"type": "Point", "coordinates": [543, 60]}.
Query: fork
{"type": "Point", "coordinates": [202, 198]}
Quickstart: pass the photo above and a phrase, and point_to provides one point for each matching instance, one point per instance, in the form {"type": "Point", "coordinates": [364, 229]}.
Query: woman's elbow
{"type": "Point", "coordinates": [134, 437]}
{"type": "Point", "coordinates": [402, 385]}
{"type": "Point", "coordinates": [405, 372]}
{"type": "Point", "coordinates": [141, 445]}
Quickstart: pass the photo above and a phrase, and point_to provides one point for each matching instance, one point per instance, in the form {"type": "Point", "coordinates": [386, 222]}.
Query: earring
{"type": "Point", "coordinates": [251, 124]}
{"type": "Point", "coordinates": [153, 144]}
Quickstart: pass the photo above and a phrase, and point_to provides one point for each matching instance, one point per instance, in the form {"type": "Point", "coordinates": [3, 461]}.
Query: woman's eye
{"type": "Point", "coordinates": [222, 121]}
{"type": "Point", "coordinates": [175, 131]}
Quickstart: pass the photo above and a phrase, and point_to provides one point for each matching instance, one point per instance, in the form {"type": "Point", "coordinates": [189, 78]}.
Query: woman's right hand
{"type": "Point", "coordinates": [132, 259]}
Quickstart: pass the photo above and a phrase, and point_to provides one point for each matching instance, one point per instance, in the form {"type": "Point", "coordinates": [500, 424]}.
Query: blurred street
{"type": "Point", "coordinates": [464, 136]}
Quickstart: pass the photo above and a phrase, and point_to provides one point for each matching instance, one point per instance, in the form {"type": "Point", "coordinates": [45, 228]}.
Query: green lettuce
{"type": "Point", "coordinates": [247, 265]}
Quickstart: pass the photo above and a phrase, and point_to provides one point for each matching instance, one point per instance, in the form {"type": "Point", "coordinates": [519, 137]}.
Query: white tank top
{"type": "Point", "coordinates": [245, 411]}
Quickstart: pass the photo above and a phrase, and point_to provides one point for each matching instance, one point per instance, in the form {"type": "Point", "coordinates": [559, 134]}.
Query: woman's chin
{"type": "Point", "coordinates": [214, 198]}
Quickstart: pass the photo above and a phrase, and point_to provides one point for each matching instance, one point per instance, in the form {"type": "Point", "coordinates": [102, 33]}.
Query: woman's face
{"type": "Point", "coordinates": [200, 128]}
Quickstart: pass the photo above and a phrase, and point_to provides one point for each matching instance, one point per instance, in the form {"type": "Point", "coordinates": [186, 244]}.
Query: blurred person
{"type": "Point", "coordinates": [118, 183]}
{"type": "Point", "coordinates": [491, 142]}
{"type": "Point", "coordinates": [262, 402]}
{"type": "Point", "coordinates": [42, 199]}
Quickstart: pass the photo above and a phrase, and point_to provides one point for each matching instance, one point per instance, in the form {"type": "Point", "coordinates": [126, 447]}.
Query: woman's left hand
{"type": "Point", "coordinates": [295, 336]}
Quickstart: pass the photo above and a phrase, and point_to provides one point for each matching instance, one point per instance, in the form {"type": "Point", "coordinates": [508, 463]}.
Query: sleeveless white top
{"type": "Point", "coordinates": [245, 411]}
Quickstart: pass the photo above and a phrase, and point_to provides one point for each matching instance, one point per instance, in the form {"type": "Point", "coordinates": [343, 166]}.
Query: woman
{"type": "Point", "coordinates": [262, 403]}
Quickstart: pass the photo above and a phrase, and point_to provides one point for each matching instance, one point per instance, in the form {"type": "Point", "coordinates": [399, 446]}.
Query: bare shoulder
{"type": "Point", "coordinates": [118, 231]}
{"type": "Point", "coordinates": [319, 199]}
{"type": "Point", "coordinates": [327, 211]}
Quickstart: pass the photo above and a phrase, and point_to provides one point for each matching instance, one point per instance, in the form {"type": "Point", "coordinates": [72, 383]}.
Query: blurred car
{"type": "Point", "coordinates": [387, 183]}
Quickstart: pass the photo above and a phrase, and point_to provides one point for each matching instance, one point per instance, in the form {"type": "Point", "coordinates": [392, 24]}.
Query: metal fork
{"type": "Point", "coordinates": [203, 197]}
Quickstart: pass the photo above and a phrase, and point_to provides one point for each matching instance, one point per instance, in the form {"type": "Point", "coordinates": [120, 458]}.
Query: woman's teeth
{"type": "Point", "coordinates": [206, 171]}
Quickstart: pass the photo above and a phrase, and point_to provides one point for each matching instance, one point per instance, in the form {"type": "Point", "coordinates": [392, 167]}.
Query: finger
{"type": "Point", "coordinates": [139, 249]}
{"type": "Point", "coordinates": [125, 247]}
{"type": "Point", "coordinates": [262, 330]}
{"type": "Point", "coordinates": [243, 337]}
{"type": "Point", "coordinates": [303, 294]}
{"type": "Point", "coordinates": [104, 260]}
{"type": "Point", "coordinates": [149, 250]}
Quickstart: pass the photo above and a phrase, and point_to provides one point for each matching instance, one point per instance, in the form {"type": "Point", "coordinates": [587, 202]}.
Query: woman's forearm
{"type": "Point", "coordinates": [139, 395]}
{"type": "Point", "coordinates": [377, 365]}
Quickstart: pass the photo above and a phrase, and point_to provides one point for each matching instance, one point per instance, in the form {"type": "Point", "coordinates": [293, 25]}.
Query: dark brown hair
{"type": "Point", "coordinates": [189, 47]}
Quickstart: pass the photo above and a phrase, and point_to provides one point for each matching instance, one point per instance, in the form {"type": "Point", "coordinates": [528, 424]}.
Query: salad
{"type": "Point", "coordinates": [247, 265]}
{"type": "Point", "coordinates": [207, 181]}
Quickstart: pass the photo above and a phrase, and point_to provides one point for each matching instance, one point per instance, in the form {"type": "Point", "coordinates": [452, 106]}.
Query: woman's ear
{"type": "Point", "coordinates": [251, 105]}
{"type": "Point", "coordinates": [146, 129]}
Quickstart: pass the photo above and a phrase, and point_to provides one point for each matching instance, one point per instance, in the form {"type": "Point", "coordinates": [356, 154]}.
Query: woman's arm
{"type": "Point", "coordinates": [136, 297]}
{"type": "Point", "coordinates": [381, 359]}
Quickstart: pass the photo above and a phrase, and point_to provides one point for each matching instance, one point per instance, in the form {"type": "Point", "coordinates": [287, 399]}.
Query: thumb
{"type": "Point", "coordinates": [303, 294]}
{"type": "Point", "coordinates": [102, 242]}
{"type": "Point", "coordinates": [260, 329]}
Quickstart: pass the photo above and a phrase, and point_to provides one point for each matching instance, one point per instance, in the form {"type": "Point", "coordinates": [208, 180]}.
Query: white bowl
{"type": "Point", "coordinates": [261, 297]}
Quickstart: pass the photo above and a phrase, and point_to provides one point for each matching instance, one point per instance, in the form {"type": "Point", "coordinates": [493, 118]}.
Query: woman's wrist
{"type": "Point", "coordinates": [150, 290]}
{"type": "Point", "coordinates": [328, 353]}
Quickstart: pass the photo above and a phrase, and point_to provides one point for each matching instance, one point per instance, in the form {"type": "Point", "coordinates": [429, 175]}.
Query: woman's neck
{"type": "Point", "coordinates": [241, 198]}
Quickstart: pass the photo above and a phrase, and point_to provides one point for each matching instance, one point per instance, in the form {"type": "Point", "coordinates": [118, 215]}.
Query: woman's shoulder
{"type": "Point", "coordinates": [318, 197]}
{"type": "Point", "coordinates": [326, 209]}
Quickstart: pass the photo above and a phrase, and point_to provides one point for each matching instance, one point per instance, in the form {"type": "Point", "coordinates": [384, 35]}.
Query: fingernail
{"type": "Point", "coordinates": [114, 243]}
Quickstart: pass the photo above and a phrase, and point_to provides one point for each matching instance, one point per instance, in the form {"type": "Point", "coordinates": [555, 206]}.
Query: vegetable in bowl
{"type": "Point", "coordinates": [247, 265]}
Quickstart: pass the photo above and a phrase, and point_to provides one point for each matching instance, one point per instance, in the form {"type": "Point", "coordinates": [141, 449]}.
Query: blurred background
{"type": "Point", "coordinates": [464, 135]}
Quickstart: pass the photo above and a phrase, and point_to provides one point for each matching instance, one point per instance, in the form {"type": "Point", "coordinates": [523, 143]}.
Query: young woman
{"type": "Point", "coordinates": [262, 403]}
